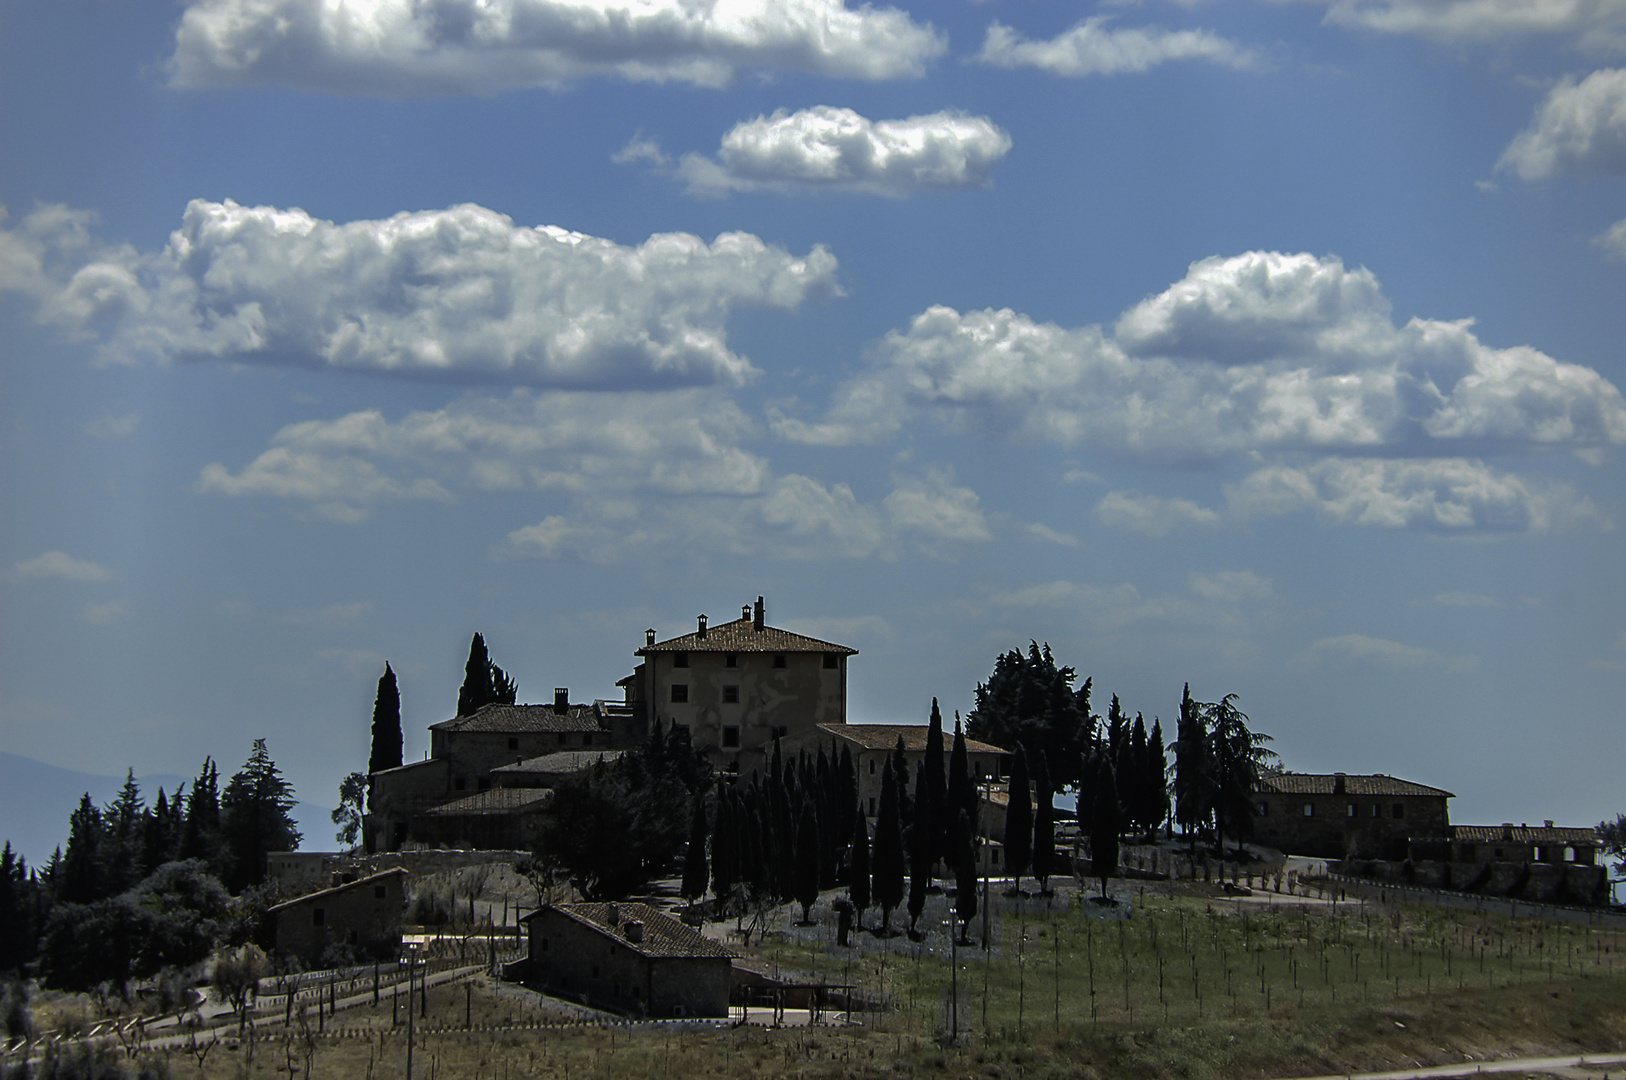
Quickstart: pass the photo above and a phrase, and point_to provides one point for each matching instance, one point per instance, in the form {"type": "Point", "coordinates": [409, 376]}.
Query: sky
{"type": "Point", "coordinates": [1272, 346]}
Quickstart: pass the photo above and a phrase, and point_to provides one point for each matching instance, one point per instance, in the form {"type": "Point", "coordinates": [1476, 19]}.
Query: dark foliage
{"type": "Point", "coordinates": [1029, 701]}
{"type": "Point", "coordinates": [1018, 838]}
{"type": "Point", "coordinates": [256, 818]}
{"type": "Point", "coordinates": [386, 752]}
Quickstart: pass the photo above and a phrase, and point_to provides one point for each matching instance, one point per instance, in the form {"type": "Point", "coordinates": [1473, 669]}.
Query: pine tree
{"type": "Point", "coordinates": [386, 753]}
{"type": "Point", "coordinates": [1018, 837]}
{"type": "Point", "coordinates": [1044, 825]}
{"type": "Point", "coordinates": [1104, 828]}
{"type": "Point", "coordinates": [887, 858]}
{"type": "Point", "coordinates": [79, 875]}
{"type": "Point", "coordinates": [200, 837]}
{"type": "Point", "coordinates": [858, 867]}
{"type": "Point", "coordinates": [123, 831]}
{"type": "Point", "coordinates": [922, 849]}
{"type": "Point", "coordinates": [256, 818]}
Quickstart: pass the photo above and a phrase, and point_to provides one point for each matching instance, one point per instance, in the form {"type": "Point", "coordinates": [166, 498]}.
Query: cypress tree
{"type": "Point", "coordinates": [858, 867]}
{"type": "Point", "coordinates": [935, 788]}
{"type": "Point", "coordinates": [1192, 769]}
{"type": "Point", "coordinates": [476, 689]}
{"type": "Point", "coordinates": [807, 861]}
{"type": "Point", "coordinates": [1156, 779]}
{"type": "Point", "coordinates": [694, 856]}
{"type": "Point", "coordinates": [961, 795]}
{"type": "Point", "coordinates": [1104, 829]}
{"type": "Point", "coordinates": [922, 847]}
{"type": "Point", "coordinates": [887, 858]}
{"type": "Point", "coordinates": [899, 764]}
{"type": "Point", "coordinates": [724, 849]}
{"type": "Point", "coordinates": [1018, 837]}
{"type": "Point", "coordinates": [386, 752]}
{"type": "Point", "coordinates": [1044, 824]}
{"type": "Point", "coordinates": [965, 876]}
{"type": "Point", "coordinates": [1141, 798]}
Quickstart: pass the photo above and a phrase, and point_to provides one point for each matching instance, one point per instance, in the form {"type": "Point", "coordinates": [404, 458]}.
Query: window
{"type": "Point", "coordinates": [730, 660]}
{"type": "Point", "coordinates": [459, 784]}
{"type": "Point", "coordinates": [731, 695]}
{"type": "Point", "coordinates": [378, 892]}
{"type": "Point", "coordinates": [587, 738]}
{"type": "Point", "coordinates": [513, 744]}
{"type": "Point", "coordinates": [680, 659]}
{"type": "Point", "coordinates": [872, 806]}
{"type": "Point", "coordinates": [319, 916]}
{"type": "Point", "coordinates": [731, 735]}
{"type": "Point", "coordinates": [1264, 809]}
{"type": "Point", "coordinates": [830, 661]}
{"type": "Point", "coordinates": [563, 738]}
{"type": "Point", "coordinates": [1352, 810]}
{"type": "Point", "coordinates": [779, 659]}
{"type": "Point", "coordinates": [1400, 810]}
{"type": "Point", "coordinates": [595, 971]}
{"type": "Point", "coordinates": [680, 693]}
{"type": "Point", "coordinates": [993, 856]}
{"type": "Point", "coordinates": [872, 766]}
{"type": "Point", "coordinates": [485, 782]}
{"type": "Point", "coordinates": [1309, 809]}
{"type": "Point", "coordinates": [1377, 811]}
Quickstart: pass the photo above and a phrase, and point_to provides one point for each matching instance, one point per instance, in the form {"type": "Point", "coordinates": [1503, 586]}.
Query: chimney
{"type": "Point", "coordinates": [1338, 783]}
{"type": "Point", "coordinates": [561, 700]}
{"type": "Point", "coordinates": [745, 611]}
{"type": "Point", "coordinates": [635, 931]}
{"type": "Point", "coordinates": [701, 633]}
{"type": "Point", "coordinates": [1549, 823]}
{"type": "Point", "coordinates": [649, 637]}
{"type": "Point", "coordinates": [612, 915]}
{"type": "Point", "coordinates": [756, 615]}
{"type": "Point", "coordinates": [1507, 830]}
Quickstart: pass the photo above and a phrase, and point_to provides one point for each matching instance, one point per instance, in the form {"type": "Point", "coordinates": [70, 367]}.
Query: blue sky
{"type": "Point", "coordinates": [1271, 346]}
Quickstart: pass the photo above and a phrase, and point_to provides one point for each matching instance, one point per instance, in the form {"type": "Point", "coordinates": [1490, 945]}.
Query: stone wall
{"type": "Point", "coordinates": [1347, 826]}
{"type": "Point", "coordinates": [1546, 883]}
{"type": "Point", "coordinates": [365, 917]}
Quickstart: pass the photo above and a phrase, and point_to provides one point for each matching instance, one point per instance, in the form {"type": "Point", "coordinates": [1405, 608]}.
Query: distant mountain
{"type": "Point", "coordinates": [36, 800]}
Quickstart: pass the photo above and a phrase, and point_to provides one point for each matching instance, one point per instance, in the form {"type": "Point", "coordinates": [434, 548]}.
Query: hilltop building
{"type": "Point", "coordinates": [1341, 815]}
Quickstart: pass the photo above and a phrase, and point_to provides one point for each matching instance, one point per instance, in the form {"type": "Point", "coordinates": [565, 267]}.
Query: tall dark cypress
{"type": "Point", "coordinates": [858, 867]}
{"type": "Point", "coordinates": [922, 848]}
{"type": "Point", "coordinates": [1104, 829]}
{"type": "Point", "coordinates": [935, 788]}
{"type": "Point", "coordinates": [807, 859]}
{"type": "Point", "coordinates": [1156, 779]}
{"type": "Point", "coordinates": [886, 860]}
{"type": "Point", "coordinates": [724, 848]}
{"type": "Point", "coordinates": [899, 764]}
{"type": "Point", "coordinates": [961, 795]}
{"type": "Point", "coordinates": [386, 752]}
{"type": "Point", "coordinates": [965, 876]}
{"type": "Point", "coordinates": [476, 689]}
{"type": "Point", "coordinates": [1140, 799]}
{"type": "Point", "coordinates": [694, 857]}
{"type": "Point", "coordinates": [1044, 824]}
{"type": "Point", "coordinates": [1018, 837]}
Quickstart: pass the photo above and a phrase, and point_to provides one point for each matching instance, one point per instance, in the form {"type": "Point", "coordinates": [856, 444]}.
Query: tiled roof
{"type": "Point", "coordinates": [885, 737]}
{"type": "Point", "coordinates": [360, 883]}
{"type": "Point", "coordinates": [565, 761]}
{"type": "Point", "coordinates": [439, 763]}
{"type": "Point", "coordinates": [1354, 784]}
{"type": "Point", "coordinates": [663, 936]}
{"type": "Point", "coordinates": [493, 801]}
{"type": "Point", "coordinates": [742, 636]}
{"type": "Point", "coordinates": [523, 718]}
{"type": "Point", "coordinates": [1522, 834]}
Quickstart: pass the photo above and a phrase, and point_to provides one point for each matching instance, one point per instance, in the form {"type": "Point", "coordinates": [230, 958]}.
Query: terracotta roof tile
{"type": "Point", "coordinates": [663, 935]}
{"type": "Point", "coordinates": [357, 884]}
{"type": "Point", "coordinates": [523, 718]}
{"type": "Point", "coordinates": [741, 636]}
{"type": "Point", "coordinates": [885, 737]}
{"type": "Point", "coordinates": [564, 761]}
{"type": "Point", "coordinates": [1522, 834]}
{"type": "Point", "coordinates": [494, 801]}
{"type": "Point", "coordinates": [1354, 784]}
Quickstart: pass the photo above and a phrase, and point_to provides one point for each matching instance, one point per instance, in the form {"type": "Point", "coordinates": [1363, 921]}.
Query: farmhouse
{"type": "Point", "coordinates": [1521, 843]}
{"type": "Point", "coordinates": [738, 686]}
{"type": "Point", "coordinates": [361, 918]}
{"type": "Point", "coordinates": [1339, 815]}
{"type": "Point", "coordinates": [629, 957]}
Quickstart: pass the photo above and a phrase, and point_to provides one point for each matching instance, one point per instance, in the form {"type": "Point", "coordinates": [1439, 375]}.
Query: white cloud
{"type": "Point", "coordinates": [102, 614]}
{"type": "Point", "coordinates": [629, 473]}
{"type": "Point", "coordinates": [1613, 240]}
{"type": "Point", "coordinates": [1091, 47]}
{"type": "Point", "coordinates": [1464, 600]}
{"type": "Point", "coordinates": [1379, 652]}
{"type": "Point", "coordinates": [411, 48]}
{"type": "Point", "coordinates": [1152, 514]}
{"type": "Point", "coordinates": [1041, 531]}
{"type": "Point", "coordinates": [1231, 586]}
{"type": "Point", "coordinates": [60, 565]}
{"type": "Point", "coordinates": [1451, 495]}
{"type": "Point", "coordinates": [1255, 352]}
{"type": "Point", "coordinates": [461, 293]}
{"type": "Point", "coordinates": [1596, 24]}
{"type": "Point", "coordinates": [113, 427]}
{"type": "Point", "coordinates": [1580, 128]}
{"type": "Point", "coordinates": [832, 148]}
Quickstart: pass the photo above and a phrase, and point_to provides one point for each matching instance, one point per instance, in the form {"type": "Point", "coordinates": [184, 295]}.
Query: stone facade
{"type": "Point", "coordinates": [1339, 816]}
{"type": "Point", "coordinates": [631, 958]}
{"type": "Point", "coordinates": [739, 685]}
{"type": "Point", "coordinates": [1523, 844]}
{"type": "Point", "coordinates": [1568, 883]}
{"type": "Point", "coordinates": [872, 746]}
{"type": "Point", "coordinates": [362, 917]}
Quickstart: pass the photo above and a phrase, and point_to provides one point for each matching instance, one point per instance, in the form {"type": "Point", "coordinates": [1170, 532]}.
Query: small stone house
{"type": "Point", "coordinates": [1347, 815]}
{"type": "Point", "coordinates": [362, 917]}
{"type": "Point", "coordinates": [1522, 843]}
{"type": "Point", "coordinates": [628, 957]}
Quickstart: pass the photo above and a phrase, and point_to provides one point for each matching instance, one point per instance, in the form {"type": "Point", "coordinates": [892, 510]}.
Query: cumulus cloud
{"type": "Point", "coordinates": [628, 473]}
{"type": "Point", "coordinates": [1579, 128]}
{"type": "Point", "coordinates": [411, 48]}
{"type": "Point", "coordinates": [113, 427]}
{"type": "Point", "coordinates": [1231, 586]}
{"type": "Point", "coordinates": [1613, 240]}
{"type": "Point", "coordinates": [1460, 599]}
{"type": "Point", "coordinates": [61, 566]}
{"type": "Point", "coordinates": [1260, 351]}
{"type": "Point", "coordinates": [1438, 494]}
{"type": "Point", "coordinates": [1596, 24]}
{"type": "Point", "coordinates": [1092, 47]}
{"type": "Point", "coordinates": [837, 149]}
{"type": "Point", "coordinates": [1379, 652]}
{"type": "Point", "coordinates": [1152, 514]}
{"type": "Point", "coordinates": [102, 614]}
{"type": "Point", "coordinates": [461, 294]}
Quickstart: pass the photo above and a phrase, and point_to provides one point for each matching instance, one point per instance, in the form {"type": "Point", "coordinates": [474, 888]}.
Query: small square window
{"type": "Point", "coordinates": [563, 738]}
{"type": "Point", "coordinates": [1264, 809]}
{"type": "Point", "coordinates": [680, 659]}
{"type": "Point", "coordinates": [1400, 810]}
{"type": "Point", "coordinates": [1352, 810]}
{"type": "Point", "coordinates": [680, 693]}
{"type": "Point", "coordinates": [1309, 809]}
{"type": "Point", "coordinates": [319, 916]}
{"type": "Point", "coordinates": [778, 659]}
{"type": "Point", "coordinates": [872, 766]}
{"type": "Point", "coordinates": [378, 892]}
{"type": "Point", "coordinates": [731, 695]}
{"type": "Point", "coordinates": [731, 735]}
{"type": "Point", "coordinates": [830, 661]}
{"type": "Point", "coordinates": [731, 660]}
{"type": "Point", "coordinates": [513, 744]}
